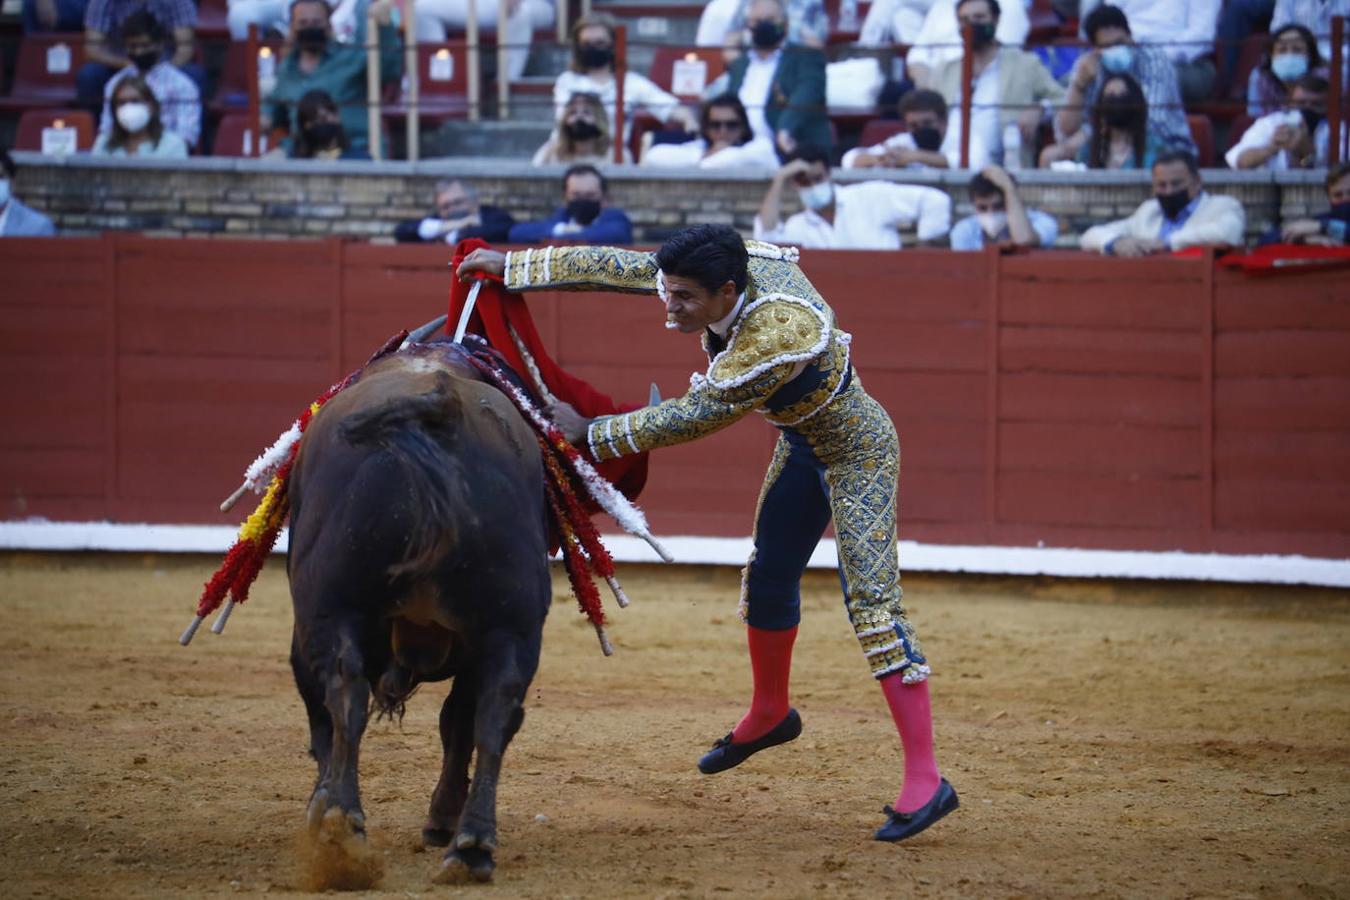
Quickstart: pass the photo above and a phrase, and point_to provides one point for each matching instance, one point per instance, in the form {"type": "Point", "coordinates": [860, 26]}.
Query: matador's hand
{"type": "Point", "coordinates": [491, 262]}
{"type": "Point", "coordinates": [572, 423]}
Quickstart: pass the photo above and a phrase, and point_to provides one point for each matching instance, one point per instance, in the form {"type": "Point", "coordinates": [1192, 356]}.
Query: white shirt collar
{"type": "Point", "coordinates": [722, 326]}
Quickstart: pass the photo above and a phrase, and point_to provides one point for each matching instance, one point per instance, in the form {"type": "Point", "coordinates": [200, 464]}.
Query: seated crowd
{"type": "Point", "coordinates": [1118, 101]}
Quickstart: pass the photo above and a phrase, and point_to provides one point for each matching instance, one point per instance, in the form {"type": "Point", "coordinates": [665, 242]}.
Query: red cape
{"type": "Point", "coordinates": [497, 309]}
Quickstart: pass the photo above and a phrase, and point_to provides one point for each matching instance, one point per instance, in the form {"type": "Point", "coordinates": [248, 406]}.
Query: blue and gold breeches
{"type": "Point", "coordinates": [840, 465]}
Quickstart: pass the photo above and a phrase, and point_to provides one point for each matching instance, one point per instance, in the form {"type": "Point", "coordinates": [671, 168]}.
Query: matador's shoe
{"type": "Point", "coordinates": [904, 825]}
{"type": "Point", "coordinates": [725, 755]}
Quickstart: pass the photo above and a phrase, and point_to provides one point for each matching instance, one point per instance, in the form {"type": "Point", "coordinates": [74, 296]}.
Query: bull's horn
{"type": "Point", "coordinates": [426, 331]}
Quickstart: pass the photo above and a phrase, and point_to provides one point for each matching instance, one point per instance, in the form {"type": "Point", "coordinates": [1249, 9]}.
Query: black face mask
{"type": "Point", "coordinates": [323, 135]}
{"type": "Point", "coordinates": [583, 212]}
{"type": "Point", "coordinates": [147, 60]}
{"type": "Point", "coordinates": [581, 130]}
{"type": "Point", "coordinates": [766, 34]}
{"type": "Point", "coordinates": [1119, 112]}
{"type": "Point", "coordinates": [982, 35]}
{"type": "Point", "coordinates": [595, 57]}
{"type": "Point", "coordinates": [1172, 204]}
{"type": "Point", "coordinates": [1312, 118]}
{"type": "Point", "coordinates": [313, 38]}
{"type": "Point", "coordinates": [927, 138]}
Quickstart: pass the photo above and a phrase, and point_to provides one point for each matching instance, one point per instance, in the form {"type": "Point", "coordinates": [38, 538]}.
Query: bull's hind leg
{"type": "Point", "coordinates": [320, 722]}
{"type": "Point", "coordinates": [507, 666]}
{"type": "Point", "coordinates": [457, 714]}
{"type": "Point", "coordinates": [347, 702]}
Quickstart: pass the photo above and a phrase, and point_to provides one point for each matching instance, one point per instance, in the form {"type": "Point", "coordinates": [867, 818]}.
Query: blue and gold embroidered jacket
{"type": "Point", "coordinates": [783, 356]}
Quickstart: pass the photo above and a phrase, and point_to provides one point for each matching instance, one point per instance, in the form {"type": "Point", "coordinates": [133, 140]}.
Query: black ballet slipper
{"type": "Point", "coordinates": [725, 755]}
{"type": "Point", "coordinates": [903, 825]}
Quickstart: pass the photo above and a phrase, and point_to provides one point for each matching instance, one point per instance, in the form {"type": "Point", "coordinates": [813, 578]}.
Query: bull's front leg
{"type": "Point", "coordinates": [457, 718]}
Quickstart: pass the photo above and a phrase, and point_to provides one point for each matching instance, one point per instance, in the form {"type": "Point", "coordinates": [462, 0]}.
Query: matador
{"type": "Point", "coordinates": [774, 349]}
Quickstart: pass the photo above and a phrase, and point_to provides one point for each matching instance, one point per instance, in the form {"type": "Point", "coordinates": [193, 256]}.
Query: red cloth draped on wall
{"type": "Point", "coordinates": [496, 314]}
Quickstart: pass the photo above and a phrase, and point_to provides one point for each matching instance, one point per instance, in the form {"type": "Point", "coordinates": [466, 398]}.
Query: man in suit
{"type": "Point", "coordinates": [458, 215]}
{"type": "Point", "coordinates": [1180, 215]}
{"type": "Point", "coordinates": [781, 85]}
{"type": "Point", "coordinates": [17, 220]}
{"type": "Point", "coordinates": [586, 215]}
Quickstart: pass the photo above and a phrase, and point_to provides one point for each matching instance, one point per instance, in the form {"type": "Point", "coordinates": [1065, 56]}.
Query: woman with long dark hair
{"type": "Point", "coordinates": [1293, 54]}
{"type": "Point", "coordinates": [1119, 137]}
{"type": "Point", "coordinates": [319, 131]}
{"type": "Point", "coordinates": [137, 129]}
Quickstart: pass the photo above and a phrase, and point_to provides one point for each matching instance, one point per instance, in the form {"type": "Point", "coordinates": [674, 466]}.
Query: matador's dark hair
{"type": "Point", "coordinates": [712, 255]}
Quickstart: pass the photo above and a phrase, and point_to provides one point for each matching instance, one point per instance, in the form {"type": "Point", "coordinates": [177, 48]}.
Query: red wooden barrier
{"type": "Point", "coordinates": [1056, 398]}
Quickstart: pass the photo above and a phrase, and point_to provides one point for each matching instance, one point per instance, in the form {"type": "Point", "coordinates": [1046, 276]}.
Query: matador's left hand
{"type": "Point", "coordinates": [572, 423]}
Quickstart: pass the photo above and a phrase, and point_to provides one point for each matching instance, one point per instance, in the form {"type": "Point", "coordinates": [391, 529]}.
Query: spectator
{"type": "Point", "coordinates": [926, 142]}
{"type": "Point", "coordinates": [894, 22]}
{"type": "Point", "coordinates": [1314, 15]}
{"type": "Point", "coordinates": [53, 15]}
{"type": "Point", "coordinates": [320, 133]}
{"type": "Point", "coordinates": [1118, 136]}
{"type": "Point", "coordinates": [458, 215]}
{"type": "Point", "coordinates": [1183, 31]}
{"type": "Point", "coordinates": [939, 40]}
{"type": "Point", "coordinates": [585, 217]}
{"type": "Point", "coordinates": [1001, 217]}
{"type": "Point", "coordinates": [1010, 87]}
{"type": "Point", "coordinates": [17, 220]}
{"type": "Point", "coordinates": [316, 61]}
{"type": "Point", "coordinates": [1329, 229]}
{"type": "Point", "coordinates": [103, 43]}
{"type": "Point", "coordinates": [1115, 53]}
{"type": "Point", "coordinates": [781, 85]}
{"type": "Point", "coordinates": [725, 141]}
{"type": "Point", "coordinates": [1181, 214]}
{"type": "Point", "coordinates": [143, 40]}
{"type": "Point", "coordinates": [581, 135]}
{"type": "Point", "coordinates": [592, 72]}
{"type": "Point", "coordinates": [436, 18]}
{"type": "Point", "coordinates": [807, 23]}
{"type": "Point", "coordinates": [865, 216]}
{"type": "Point", "coordinates": [137, 129]}
{"type": "Point", "coordinates": [1294, 138]}
{"type": "Point", "coordinates": [1293, 54]}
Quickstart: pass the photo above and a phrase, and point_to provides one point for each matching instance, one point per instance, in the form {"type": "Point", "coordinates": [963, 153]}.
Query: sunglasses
{"type": "Point", "coordinates": [723, 125]}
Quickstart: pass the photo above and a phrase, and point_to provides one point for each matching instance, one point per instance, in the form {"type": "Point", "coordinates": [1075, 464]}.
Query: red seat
{"type": "Point", "coordinates": [1202, 132]}
{"type": "Point", "coordinates": [40, 78]}
{"type": "Point", "coordinates": [442, 86]}
{"type": "Point", "coordinates": [839, 34]}
{"type": "Point", "coordinates": [663, 67]}
{"type": "Point", "coordinates": [213, 20]}
{"type": "Point", "coordinates": [31, 124]}
{"type": "Point", "coordinates": [232, 92]}
{"type": "Point", "coordinates": [876, 131]}
{"type": "Point", "coordinates": [234, 137]}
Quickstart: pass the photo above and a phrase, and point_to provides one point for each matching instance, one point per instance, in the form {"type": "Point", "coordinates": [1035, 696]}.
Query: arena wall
{"type": "Point", "coordinates": [232, 197]}
{"type": "Point", "coordinates": [1049, 399]}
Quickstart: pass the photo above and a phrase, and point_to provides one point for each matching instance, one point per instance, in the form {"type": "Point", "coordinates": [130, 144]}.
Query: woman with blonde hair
{"type": "Point", "coordinates": [137, 129]}
{"type": "Point", "coordinates": [581, 135]}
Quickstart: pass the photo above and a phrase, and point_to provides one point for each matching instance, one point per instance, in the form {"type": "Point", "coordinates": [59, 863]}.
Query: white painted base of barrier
{"type": "Point", "coordinates": [914, 557]}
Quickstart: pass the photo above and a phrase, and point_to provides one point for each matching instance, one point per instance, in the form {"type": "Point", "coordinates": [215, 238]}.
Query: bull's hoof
{"type": "Point", "coordinates": [318, 805]}
{"type": "Point", "coordinates": [432, 836]}
{"type": "Point", "coordinates": [461, 866]}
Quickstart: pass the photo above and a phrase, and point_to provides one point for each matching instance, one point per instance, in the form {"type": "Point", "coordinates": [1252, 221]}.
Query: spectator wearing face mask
{"type": "Point", "coordinates": [103, 45]}
{"type": "Point", "coordinates": [725, 141]}
{"type": "Point", "coordinates": [808, 24]}
{"type": "Point", "coordinates": [1180, 215]}
{"type": "Point", "coordinates": [939, 40]}
{"type": "Point", "coordinates": [926, 142]}
{"type": "Point", "coordinates": [1115, 53]}
{"type": "Point", "coordinates": [1000, 217]}
{"type": "Point", "coordinates": [581, 135]}
{"type": "Point", "coordinates": [180, 102]}
{"type": "Point", "coordinates": [585, 217]}
{"type": "Point", "coordinates": [1329, 229]}
{"type": "Point", "coordinates": [16, 219]}
{"type": "Point", "coordinates": [1117, 136]}
{"type": "Point", "coordinates": [592, 71]}
{"type": "Point", "coordinates": [1314, 15]}
{"type": "Point", "coordinates": [458, 215]}
{"type": "Point", "coordinates": [317, 61]}
{"type": "Point", "coordinates": [865, 216]}
{"type": "Point", "coordinates": [1294, 138]}
{"type": "Point", "coordinates": [780, 84]}
{"type": "Point", "coordinates": [320, 134]}
{"type": "Point", "coordinates": [1184, 30]}
{"type": "Point", "coordinates": [137, 129]}
{"type": "Point", "coordinates": [1293, 54]}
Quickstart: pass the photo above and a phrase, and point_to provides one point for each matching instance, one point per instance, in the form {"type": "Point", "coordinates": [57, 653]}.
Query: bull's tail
{"type": "Point", "coordinates": [413, 430]}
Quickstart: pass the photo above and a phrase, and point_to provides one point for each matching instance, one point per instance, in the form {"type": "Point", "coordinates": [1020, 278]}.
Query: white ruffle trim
{"type": "Point", "coordinates": [766, 250]}
{"type": "Point", "coordinates": [914, 672]}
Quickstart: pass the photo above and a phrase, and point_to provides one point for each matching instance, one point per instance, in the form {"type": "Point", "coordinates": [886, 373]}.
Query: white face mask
{"type": "Point", "coordinates": [4, 191]}
{"type": "Point", "coordinates": [992, 223]}
{"type": "Point", "coordinates": [133, 116]}
{"type": "Point", "coordinates": [817, 196]}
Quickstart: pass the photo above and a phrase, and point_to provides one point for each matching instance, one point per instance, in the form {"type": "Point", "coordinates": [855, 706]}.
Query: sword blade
{"type": "Point", "coordinates": [468, 312]}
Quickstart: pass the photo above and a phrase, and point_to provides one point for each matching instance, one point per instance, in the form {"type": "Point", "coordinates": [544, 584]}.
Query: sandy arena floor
{"type": "Point", "coordinates": [1106, 739]}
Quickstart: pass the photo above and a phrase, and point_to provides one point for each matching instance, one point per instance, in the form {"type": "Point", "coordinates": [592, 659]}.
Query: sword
{"type": "Point", "coordinates": [468, 312]}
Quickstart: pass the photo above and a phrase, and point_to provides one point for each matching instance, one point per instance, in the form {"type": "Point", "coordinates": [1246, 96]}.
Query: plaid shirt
{"type": "Point", "coordinates": [1158, 78]}
{"type": "Point", "coordinates": [180, 103]}
{"type": "Point", "coordinates": [105, 16]}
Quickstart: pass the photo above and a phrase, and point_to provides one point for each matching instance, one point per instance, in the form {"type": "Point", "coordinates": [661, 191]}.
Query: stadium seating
{"type": "Point", "coordinates": [213, 20]}
{"type": "Point", "coordinates": [1202, 132]}
{"type": "Point", "coordinates": [44, 72]}
{"type": "Point", "coordinates": [878, 130]}
{"type": "Point", "coordinates": [443, 85]}
{"type": "Point", "coordinates": [234, 136]}
{"type": "Point", "coordinates": [34, 121]}
{"type": "Point", "coordinates": [232, 94]}
{"type": "Point", "coordinates": [663, 67]}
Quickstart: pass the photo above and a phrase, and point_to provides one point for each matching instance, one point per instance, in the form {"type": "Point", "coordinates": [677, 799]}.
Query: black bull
{"type": "Point", "coordinates": [418, 552]}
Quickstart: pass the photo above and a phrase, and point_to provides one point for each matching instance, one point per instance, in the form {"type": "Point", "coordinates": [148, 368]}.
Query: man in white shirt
{"type": "Point", "coordinates": [866, 216]}
{"type": "Point", "coordinates": [926, 142]}
{"type": "Point", "coordinates": [1185, 31]}
{"type": "Point", "coordinates": [1180, 215]}
{"type": "Point", "coordinates": [1293, 138]}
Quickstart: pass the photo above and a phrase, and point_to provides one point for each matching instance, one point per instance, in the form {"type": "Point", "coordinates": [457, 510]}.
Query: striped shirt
{"type": "Point", "coordinates": [106, 16]}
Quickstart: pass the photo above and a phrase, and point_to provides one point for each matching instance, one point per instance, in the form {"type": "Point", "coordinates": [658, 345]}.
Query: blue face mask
{"type": "Point", "coordinates": [1289, 66]}
{"type": "Point", "coordinates": [1118, 58]}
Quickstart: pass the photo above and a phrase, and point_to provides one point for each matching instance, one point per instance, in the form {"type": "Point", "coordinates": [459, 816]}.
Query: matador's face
{"type": "Point", "coordinates": [692, 307]}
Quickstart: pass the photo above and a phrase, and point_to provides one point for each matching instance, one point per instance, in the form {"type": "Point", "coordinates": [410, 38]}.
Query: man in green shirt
{"type": "Point", "coordinates": [318, 62]}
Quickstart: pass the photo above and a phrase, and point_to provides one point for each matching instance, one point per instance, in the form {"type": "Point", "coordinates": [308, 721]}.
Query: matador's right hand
{"type": "Point", "coordinates": [489, 262]}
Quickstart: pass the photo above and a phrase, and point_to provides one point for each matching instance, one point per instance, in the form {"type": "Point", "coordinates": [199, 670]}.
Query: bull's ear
{"type": "Point", "coordinates": [653, 395]}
